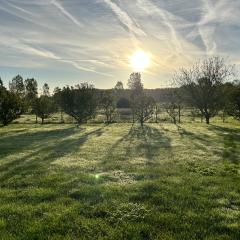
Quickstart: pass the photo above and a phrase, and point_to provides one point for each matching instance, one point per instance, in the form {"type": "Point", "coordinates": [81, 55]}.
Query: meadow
{"type": "Point", "coordinates": [120, 181]}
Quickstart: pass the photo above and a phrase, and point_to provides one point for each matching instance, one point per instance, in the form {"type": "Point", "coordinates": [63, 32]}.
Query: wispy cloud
{"type": "Point", "coordinates": [83, 39]}
{"type": "Point", "coordinates": [151, 8]}
{"type": "Point", "coordinates": [60, 7]}
{"type": "Point", "coordinates": [125, 19]}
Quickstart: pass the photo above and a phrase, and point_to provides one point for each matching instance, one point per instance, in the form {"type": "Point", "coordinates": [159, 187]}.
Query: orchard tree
{"type": "Point", "coordinates": [43, 107]}
{"type": "Point", "coordinates": [118, 90]}
{"type": "Point", "coordinates": [119, 86]}
{"type": "Point", "coordinates": [136, 91]}
{"type": "Point", "coordinates": [46, 90]}
{"type": "Point", "coordinates": [142, 106]}
{"type": "Point", "coordinates": [10, 106]}
{"type": "Point", "coordinates": [57, 99]}
{"type": "Point", "coordinates": [173, 104]}
{"type": "Point", "coordinates": [202, 84]}
{"type": "Point", "coordinates": [232, 96]}
{"type": "Point", "coordinates": [79, 102]}
{"type": "Point", "coordinates": [17, 86]}
{"type": "Point", "coordinates": [31, 89]}
{"type": "Point", "coordinates": [108, 105]}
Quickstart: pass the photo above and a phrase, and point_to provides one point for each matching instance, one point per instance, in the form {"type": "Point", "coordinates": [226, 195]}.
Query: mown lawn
{"type": "Point", "coordinates": [120, 181]}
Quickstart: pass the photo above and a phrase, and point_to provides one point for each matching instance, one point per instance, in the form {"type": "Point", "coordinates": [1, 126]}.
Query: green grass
{"type": "Point", "coordinates": [120, 181]}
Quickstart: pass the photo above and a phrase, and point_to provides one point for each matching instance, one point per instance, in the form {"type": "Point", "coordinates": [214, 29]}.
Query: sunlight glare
{"type": "Point", "coordinates": [140, 60]}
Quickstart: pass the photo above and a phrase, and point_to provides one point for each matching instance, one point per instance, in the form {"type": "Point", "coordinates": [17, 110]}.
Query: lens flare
{"type": "Point", "coordinates": [140, 60]}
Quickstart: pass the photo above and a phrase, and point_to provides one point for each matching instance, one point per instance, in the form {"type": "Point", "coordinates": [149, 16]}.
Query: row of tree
{"type": "Point", "coordinates": [206, 87]}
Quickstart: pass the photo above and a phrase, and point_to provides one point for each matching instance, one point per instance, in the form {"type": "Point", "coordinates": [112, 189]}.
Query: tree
{"type": "Point", "coordinates": [79, 102]}
{"type": "Point", "coordinates": [17, 86]}
{"type": "Point", "coordinates": [136, 87]}
{"type": "Point", "coordinates": [144, 108]}
{"type": "Point", "coordinates": [1, 82]}
{"type": "Point", "coordinates": [57, 99]}
{"type": "Point", "coordinates": [157, 110]}
{"type": "Point", "coordinates": [232, 96]}
{"type": "Point", "coordinates": [31, 89]}
{"type": "Point", "coordinates": [172, 110]}
{"type": "Point", "coordinates": [43, 107]}
{"type": "Point", "coordinates": [119, 86]}
{"type": "Point", "coordinates": [118, 90]}
{"type": "Point", "coordinates": [10, 106]}
{"type": "Point", "coordinates": [46, 90]}
{"type": "Point", "coordinates": [108, 105]}
{"type": "Point", "coordinates": [202, 85]}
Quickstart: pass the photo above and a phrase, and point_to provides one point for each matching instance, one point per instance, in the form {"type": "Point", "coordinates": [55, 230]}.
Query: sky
{"type": "Point", "coordinates": [66, 42]}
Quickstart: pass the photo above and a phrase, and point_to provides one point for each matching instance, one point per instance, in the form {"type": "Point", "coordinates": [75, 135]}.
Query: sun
{"type": "Point", "coordinates": [140, 60]}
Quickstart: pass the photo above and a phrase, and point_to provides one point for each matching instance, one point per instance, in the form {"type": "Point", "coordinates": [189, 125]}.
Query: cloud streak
{"type": "Point", "coordinates": [65, 12]}
{"type": "Point", "coordinates": [84, 40]}
{"type": "Point", "coordinates": [125, 19]}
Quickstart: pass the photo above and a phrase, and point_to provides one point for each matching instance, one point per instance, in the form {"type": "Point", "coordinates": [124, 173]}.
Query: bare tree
{"type": "Point", "coordinates": [108, 105]}
{"type": "Point", "coordinates": [202, 84]}
{"type": "Point", "coordinates": [144, 108]}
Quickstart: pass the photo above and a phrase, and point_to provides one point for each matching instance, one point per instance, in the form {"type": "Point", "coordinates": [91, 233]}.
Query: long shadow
{"type": "Point", "coordinates": [38, 161]}
{"type": "Point", "coordinates": [231, 140]}
{"type": "Point", "coordinates": [27, 140]}
{"type": "Point", "coordinates": [144, 142]}
{"type": "Point", "coordinates": [199, 140]}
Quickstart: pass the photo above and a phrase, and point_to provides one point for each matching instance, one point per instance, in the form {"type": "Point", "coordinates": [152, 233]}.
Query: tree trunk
{"type": "Point", "coordinates": [174, 120]}
{"type": "Point", "coordinates": [156, 115]}
{"type": "Point", "coordinates": [61, 116]}
{"type": "Point", "coordinates": [36, 119]}
{"type": "Point", "coordinates": [207, 119]}
{"type": "Point", "coordinates": [42, 120]}
{"type": "Point", "coordinates": [5, 122]}
{"type": "Point", "coordinates": [179, 114]}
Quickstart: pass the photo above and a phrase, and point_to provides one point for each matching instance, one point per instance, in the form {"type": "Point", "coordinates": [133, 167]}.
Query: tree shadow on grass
{"type": "Point", "coordinates": [231, 140]}
{"type": "Point", "coordinates": [146, 142]}
{"type": "Point", "coordinates": [28, 140]}
{"type": "Point", "coordinates": [38, 162]}
{"type": "Point", "coordinates": [199, 140]}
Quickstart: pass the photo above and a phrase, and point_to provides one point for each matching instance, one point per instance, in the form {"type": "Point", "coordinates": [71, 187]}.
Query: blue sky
{"type": "Point", "coordinates": [71, 41]}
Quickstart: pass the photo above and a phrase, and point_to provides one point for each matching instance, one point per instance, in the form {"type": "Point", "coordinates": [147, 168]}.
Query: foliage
{"type": "Point", "coordinates": [46, 90]}
{"type": "Point", "coordinates": [108, 105]}
{"type": "Point", "coordinates": [31, 89]}
{"type": "Point", "coordinates": [79, 102]}
{"type": "Point", "coordinates": [17, 86]}
{"type": "Point", "coordinates": [11, 106]}
{"type": "Point", "coordinates": [142, 106]}
{"type": "Point", "coordinates": [119, 86]}
{"type": "Point", "coordinates": [232, 99]}
{"type": "Point", "coordinates": [44, 107]}
{"type": "Point", "coordinates": [202, 84]}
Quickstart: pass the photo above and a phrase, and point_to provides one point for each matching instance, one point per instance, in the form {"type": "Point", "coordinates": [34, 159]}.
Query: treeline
{"type": "Point", "coordinates": [206, 88]}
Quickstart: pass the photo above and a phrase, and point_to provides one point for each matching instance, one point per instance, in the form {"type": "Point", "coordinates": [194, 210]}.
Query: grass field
{"type": "Point", "coordinates": [120, 181]}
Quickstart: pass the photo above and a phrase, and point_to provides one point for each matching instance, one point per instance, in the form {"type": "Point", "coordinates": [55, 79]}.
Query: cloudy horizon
{"type": "Point", "coordinates": [65, 42]}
